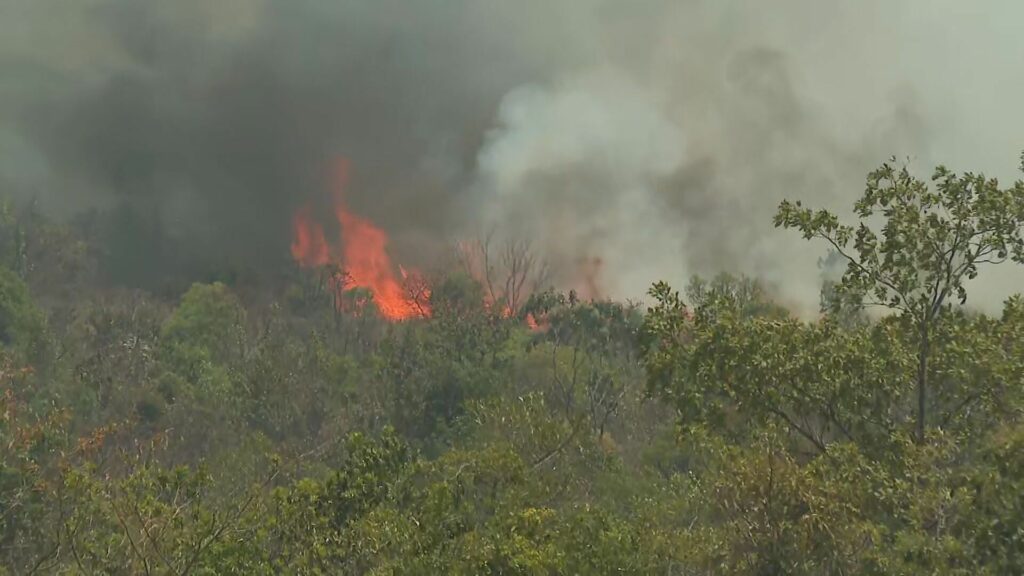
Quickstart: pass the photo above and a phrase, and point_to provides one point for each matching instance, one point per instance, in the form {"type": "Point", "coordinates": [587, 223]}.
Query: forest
{"type": "Point", "coordinates": [305, 423]}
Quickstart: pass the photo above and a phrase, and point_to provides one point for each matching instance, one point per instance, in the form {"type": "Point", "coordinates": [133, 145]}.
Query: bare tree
{"type": "Point", "coordinates": [509, 272]}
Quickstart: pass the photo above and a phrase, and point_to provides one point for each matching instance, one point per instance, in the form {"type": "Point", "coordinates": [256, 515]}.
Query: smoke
{"type": "Point", "coordinates": [655, 137]}
{"type": "Point", "coordinates": [576, 169]}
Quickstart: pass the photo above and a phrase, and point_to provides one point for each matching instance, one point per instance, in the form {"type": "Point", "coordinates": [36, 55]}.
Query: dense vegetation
{"type": "Point", "coordinates": [265, 429]}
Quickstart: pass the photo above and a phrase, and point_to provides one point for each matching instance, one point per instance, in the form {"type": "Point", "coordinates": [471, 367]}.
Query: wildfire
{"type": "Point", "coordinates": [359, 259]}
{"type": "Point", "coordinates": [309, 247]}
{"type": "Point", "coordinates": [362, 253]}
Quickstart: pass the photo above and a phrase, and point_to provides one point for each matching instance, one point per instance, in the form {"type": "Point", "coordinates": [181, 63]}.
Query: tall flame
{"type": "Point", "coordinates": [361, 252]}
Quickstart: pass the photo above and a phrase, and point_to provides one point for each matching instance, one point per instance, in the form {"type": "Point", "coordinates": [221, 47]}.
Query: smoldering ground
{"type": "Point", "coordinates": [655, 135]}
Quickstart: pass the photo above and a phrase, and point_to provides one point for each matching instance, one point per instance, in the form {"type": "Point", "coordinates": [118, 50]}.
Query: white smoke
{"type": "Point", "coordinates": [576, 167]}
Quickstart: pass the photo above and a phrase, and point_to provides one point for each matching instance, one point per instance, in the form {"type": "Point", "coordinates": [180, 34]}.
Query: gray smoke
{"type": "Point", "coordinates": [655, 135]}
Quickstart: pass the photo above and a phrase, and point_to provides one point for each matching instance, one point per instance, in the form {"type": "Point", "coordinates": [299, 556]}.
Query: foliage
{"type": "Point", "coordinates": [931, 243]}
{"type": "Point", "coordinates": [198, 340]}
{"type": "Point", "coordinates": [822, 382]}
{"type": "Point", "coordinates": [22, 324]}
{"type": "Point", "coordinates": [846, 444]}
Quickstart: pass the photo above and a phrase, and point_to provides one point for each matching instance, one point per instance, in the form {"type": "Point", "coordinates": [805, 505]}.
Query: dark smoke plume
{"type": "Point", "coordinates": [657, 136]}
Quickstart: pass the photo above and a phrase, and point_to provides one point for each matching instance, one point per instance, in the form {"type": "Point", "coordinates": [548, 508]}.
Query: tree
{"type": "Point", "coordinates": [22, 324]}
{"type": "Point", "coordinates": [508, 277]}
{"type": "Point", "coordinates": [110, 347]}
{"type": "Point", "coordinates": [747, 295]}
{"type": "Point", "coordinates": [209, 317]}
{"type": "Point", "coordinates": [203, 335]}
{"type": "Point", "coordinates": [593, 353]}
{"type": "Point", "coordinates": [930, 244]}
{"type": "Point", "coordinates": [739, 373]}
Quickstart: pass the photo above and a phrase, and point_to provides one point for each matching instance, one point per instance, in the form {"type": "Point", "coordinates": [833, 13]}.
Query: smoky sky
{"type": "Point", "coordinates": [656, 135]}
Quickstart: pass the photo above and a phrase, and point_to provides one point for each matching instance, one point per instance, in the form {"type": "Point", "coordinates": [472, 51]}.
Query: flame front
{"type": "Point", "coordinates": [362, 253]}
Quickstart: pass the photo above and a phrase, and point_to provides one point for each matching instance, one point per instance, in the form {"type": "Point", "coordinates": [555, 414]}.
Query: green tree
{"type": "Point", "coordinates": [738, 374]}
{"type": "Point", "coordinates": [22, 324]}
{"type": "Point", "coordinates": [209, 317]}
{"type": "Point", "coordinates": [205, 333]}
{"type": "Point", "coordinates": [931, 242]}
{"type": "Point", "coordinates": [746, 295]}
{"type": "Point", "coordinates": [429, 370]}
{"type": "Point", "coordinates": [593, 354]}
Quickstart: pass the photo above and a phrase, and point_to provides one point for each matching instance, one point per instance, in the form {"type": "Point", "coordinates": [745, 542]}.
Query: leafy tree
{"type": "Point", "coordinates": [295, 388]}
{"type": "Point", "coordinates": [200, 338]}
{"type": "Point", "coordinates": [994, 513]}
{"type": "Point", "coordinates": [138, 515]}
{"type": "Point", "coordinates": [931, 242]}
{"type": "Point", "coordinates": [209, 318]}
{"type": "Point", "coordinates": [22, 324]}
{"type": "Point", "coordinates": [429, 371]}
{"type": "Point", "coordinates": [593, 354]}
{"type": "Point", "coordinates": [747, 296]}
{"type": "Point", "coordinates": [739, 374]}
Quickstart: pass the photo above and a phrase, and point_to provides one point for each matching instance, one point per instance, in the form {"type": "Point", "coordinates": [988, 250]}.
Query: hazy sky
{"type": "Point", "coordinates": [657, 135]}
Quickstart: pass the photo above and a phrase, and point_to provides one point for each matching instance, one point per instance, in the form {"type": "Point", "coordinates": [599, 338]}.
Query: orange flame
{"type": "Point", "coordinates": [309, 247]}
{"type": "Point", "coordinates": [531, 323]}
{"type": "Point", "coordinates": [362, 252]}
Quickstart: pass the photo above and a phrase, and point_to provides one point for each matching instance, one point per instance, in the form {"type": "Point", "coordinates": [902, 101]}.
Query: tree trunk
{"type": "Point", "coordinates": [922, 383]}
